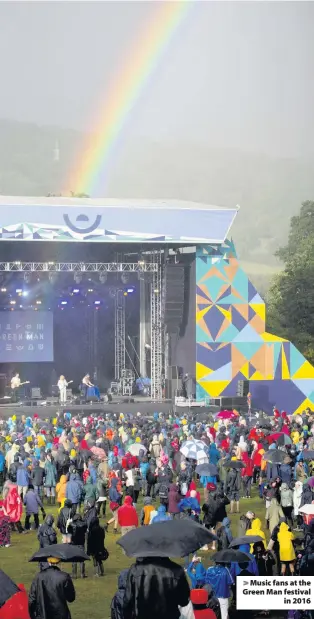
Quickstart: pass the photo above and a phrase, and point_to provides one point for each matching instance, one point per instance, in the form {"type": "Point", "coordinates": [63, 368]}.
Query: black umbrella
{"type": "Point", "coordinates": [207, 469]}
{"type": "Point", "coordinates": [172, 538]}
{"type": "Point", "coordinates": [275, 456]}
{"type": "Point", "coordinates": [234, 464]}
{"type": "Point", "coordinates": [7, 588]}
{"type": "Point", "coordinates": [67, 553]}
{"type": "Point", "coordinates": [308, 454]}
{"type": "Point", "coordinates": [231, 556]}
{"type": "Point", "coordinates": [246, 539]}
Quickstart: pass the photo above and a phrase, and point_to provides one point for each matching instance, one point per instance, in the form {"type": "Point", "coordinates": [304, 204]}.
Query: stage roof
{"type": "Point", "coordinates": [113, 220]}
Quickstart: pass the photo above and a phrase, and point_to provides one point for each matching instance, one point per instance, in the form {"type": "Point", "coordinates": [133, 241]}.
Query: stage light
{"type": "Point", "coordinates": [141, 263]}
{"type": "Point", "coordinates": [25, 293]}
{"type": "Point", "coordinates": [3, 289]}
{"type": "Point", "coordinates": [129, 290]}
{"type": "Point", "coordinates": [18, 290]}
{"type": "Point", "coordinates": [12, 302]}
{"type": "Point", "coordinates": [64, 302]}
{"type": "Point", "coordinates": [38, 302]}
{"type": "Point", "coordinates": [156, 291]}
{"type": "Point", "coordinates": [75, 290]}
{"type": "Point", "coordinates": [96, 302]}
{"type": "Point", "coordinates": [90, 290]}
{"type": "Point", "coordinates": [125, 294]}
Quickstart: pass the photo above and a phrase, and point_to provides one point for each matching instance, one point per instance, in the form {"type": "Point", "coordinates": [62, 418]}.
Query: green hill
{"type": "Point", "coordinates": [269, 191]}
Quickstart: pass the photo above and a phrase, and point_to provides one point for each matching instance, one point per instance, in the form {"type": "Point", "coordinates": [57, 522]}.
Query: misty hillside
{"type": "Point", "coordinates": [268, 190]}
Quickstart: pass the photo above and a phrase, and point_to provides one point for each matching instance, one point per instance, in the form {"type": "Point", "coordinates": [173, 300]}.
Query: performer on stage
{"type": "Point", "coordinates": [86, 382]}
{"type": "Point", "coordinates": [15, 384]}
{"type": "Point", "coordinates": [15, 381]}
{"type": "Point", "coordinates": [62, 384]}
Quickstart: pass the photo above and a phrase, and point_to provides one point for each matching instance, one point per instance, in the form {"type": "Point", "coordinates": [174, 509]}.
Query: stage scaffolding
{"type": "Point", "coordinates": [119, 334]}
{"type": "Point", "coordinates": [152, 265]}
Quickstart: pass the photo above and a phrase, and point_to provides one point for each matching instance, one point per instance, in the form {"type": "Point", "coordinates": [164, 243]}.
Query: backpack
{"type": "Point", "coordinates": [163, 491]}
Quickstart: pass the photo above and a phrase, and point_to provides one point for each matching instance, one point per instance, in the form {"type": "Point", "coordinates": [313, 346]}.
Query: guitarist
{"type": "Point", "coordinates": [15, 384]}
{"type": "Point", "coordinates": [62, 384]}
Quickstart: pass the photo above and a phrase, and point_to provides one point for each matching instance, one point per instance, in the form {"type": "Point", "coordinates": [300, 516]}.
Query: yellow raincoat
{"type": "Point", "coordinates": [256, 529]}
{"type": "Point", "coordinates": [285, 538]}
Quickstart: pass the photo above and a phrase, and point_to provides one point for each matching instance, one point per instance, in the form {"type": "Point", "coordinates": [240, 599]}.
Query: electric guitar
{"type": "Point", "coordinates": [26, 382]}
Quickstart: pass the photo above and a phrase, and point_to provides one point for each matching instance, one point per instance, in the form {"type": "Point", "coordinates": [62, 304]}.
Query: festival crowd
{"type": "Point", "coordinates": [198, 468]}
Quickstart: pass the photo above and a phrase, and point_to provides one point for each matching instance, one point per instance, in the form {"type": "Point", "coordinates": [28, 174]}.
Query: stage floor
{"type": "Point", "coordinates": [143, 405]}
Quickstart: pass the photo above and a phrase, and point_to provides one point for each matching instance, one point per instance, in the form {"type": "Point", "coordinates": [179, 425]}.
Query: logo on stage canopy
{"type": "Point", "coordinates": [82, 218]}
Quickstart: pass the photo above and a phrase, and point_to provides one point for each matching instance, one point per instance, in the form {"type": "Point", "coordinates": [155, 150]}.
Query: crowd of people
{"type": "Point", "coordinates": [177, 467]}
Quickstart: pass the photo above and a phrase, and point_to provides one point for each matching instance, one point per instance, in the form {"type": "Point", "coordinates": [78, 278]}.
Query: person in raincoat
{"type": "Point", "coordinates": [256, 529]}
{"type": "Point", "coordinates": [286, 549]}
{"type": "Point", "coordinates": [297, 498]}
{"type": "Point", "coordinates": [274, 513]}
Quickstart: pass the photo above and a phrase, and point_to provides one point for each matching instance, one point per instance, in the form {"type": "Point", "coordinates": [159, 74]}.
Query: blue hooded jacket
{"type": "Point", "coordinates": [74, 489]}
{"type": "Point", "coordinates": [214, 454]}
{"type": "Point", "coordinates": [197, 574]}
{"type": "Point", "coordinates": [161, 515]}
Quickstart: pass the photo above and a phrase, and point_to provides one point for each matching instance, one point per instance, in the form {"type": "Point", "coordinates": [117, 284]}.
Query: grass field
{"type": "Point", "coordinates": [93, 595]}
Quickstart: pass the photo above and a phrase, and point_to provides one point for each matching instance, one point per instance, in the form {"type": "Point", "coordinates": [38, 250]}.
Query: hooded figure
{"type": "Point", "coordinates": [197, 574]}
{"type": "Point", "coordinates": [161, 515]}
{"type": "Point", "coordinates": [127, 516]}
{"type": "Point", "coordinates": [274, 513]}
{"type": "Point", "coordinates": [50, 592]}
{"type": "Point", "coordinates": [155, 588]}
{"type": "Point", "coordinates": [286, 549]}
{"type": "Point", "coordinates": [174, 499]}
{"type": "Point", "coordinates": [117, 600]}
{"type": "Point", "coordinates": [256, 529]}
{"type": "Point", "coordinates": [146, 511]}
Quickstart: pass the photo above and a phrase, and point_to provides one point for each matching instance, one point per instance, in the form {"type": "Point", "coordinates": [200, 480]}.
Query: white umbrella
{"type": "Point", "coordinates": [195, 450]}
{"type": "Point", "coordinates": [307, 509]}
{"type": "Point", "coordinates": [135, 449]}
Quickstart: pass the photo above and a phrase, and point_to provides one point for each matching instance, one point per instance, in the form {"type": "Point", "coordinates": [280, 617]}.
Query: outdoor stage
{"type": "Point", "coordinates": [197, 312]}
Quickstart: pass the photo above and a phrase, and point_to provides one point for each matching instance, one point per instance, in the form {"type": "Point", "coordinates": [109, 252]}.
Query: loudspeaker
{"type": "Point", "coordinates": [174, 296]}
{"type": "Point", "coordinates": [243, 388]}
{"type": "Point", "coordinates": [35, 393]}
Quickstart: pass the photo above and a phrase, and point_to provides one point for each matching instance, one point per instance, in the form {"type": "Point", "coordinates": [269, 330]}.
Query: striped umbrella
{"type": "Point", "coordinates": [195, 450]}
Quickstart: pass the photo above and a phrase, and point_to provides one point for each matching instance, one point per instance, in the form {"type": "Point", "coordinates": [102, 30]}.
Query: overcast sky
{"type": "Point", "coordinates": [235, 74]}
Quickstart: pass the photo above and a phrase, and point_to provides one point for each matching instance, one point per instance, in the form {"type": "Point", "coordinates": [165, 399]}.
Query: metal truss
{"type": "Point", "coordinates": [68, 267]}
{"type": "Point", "coordinates": [157, 331]}
{"type": "Point", "coordinates": [119, 334]}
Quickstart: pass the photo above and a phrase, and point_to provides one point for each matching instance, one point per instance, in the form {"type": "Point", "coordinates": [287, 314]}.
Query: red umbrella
{"type": "Point", "coordinates": [226, 415]}
{"type": "Point", "coordinates": [274, 437]}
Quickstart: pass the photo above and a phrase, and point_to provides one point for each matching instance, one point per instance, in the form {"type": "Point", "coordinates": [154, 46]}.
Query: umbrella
{"type": "Point", "coordinates": [67, 553]}
{"type": "Point", "coordinates": [194, 449]}
{"type": "Point", "coordinates": [226, 415]}
{"type": "Point", "coordinates": [280, 438]}
{"type": "Point", "coordinates": [98, 452]}
{"type": "Point", "coordinates": [310, 482]}
{"type": "Point", "coordinates": [276, 457]}
{"type": "Point", "coordinates": [308, 454]}
{"type": "Point", "coordinates": [307, 509]}
{"type": "Point", "coordinates": [231, 556]}
{"type": "Point", "coordinates": [173, 538]}
{"type": "Point", "coordinates": [206, 470]}
{"type": "Point", "coordinates": [135, 449]}
{"type": "Point", "coordinates": [246, 539]}
{"type": "Point", "coordinates": [284, 439]}
{"type": "Point", "coordinates": [234, 464]}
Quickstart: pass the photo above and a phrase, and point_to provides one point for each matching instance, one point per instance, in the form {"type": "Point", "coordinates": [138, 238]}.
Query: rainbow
{"type": "Point", "coordinates": [124, 93]}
